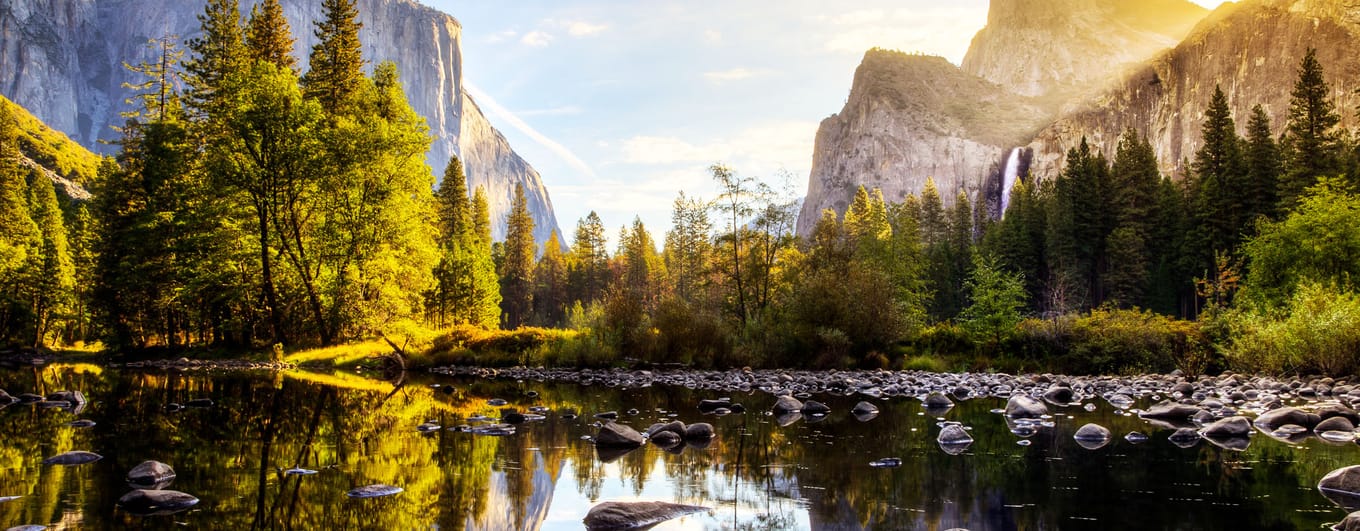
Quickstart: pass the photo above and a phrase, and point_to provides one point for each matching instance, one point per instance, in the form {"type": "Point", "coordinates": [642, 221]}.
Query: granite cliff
{"type": "Point", "coordinates": [62, 61]}
{"type": "Point", "coordinates": [1251, 49]}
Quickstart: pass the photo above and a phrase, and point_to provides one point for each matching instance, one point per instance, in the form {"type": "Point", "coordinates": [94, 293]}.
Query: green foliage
{"type": "Point", "coordinates": [46, 146]}
{"type": "Point", "coordinates": [996, 300]}
{"type": "Point", "coordinates": [1318, 242]}
{"type": "Point", "coordinates": [218, 53]}
{"type": "Point", "coordinates": [1113, 341]}
{"type": "Point", "coordinates": [335, 70]}
{"type": "Point", "coordinates": [517, 269]}
{"type": "Point", "coordinates": [1311, 132]}
{"type": "Point", "coordinates": [1318, 330]}
{"type": "Point", "coordinates": [268, 37]}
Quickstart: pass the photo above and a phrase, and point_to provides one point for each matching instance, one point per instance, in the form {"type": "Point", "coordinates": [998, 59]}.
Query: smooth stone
{"type": "Point", "coordinates": [30, 527]}
{"type": "Point", "coordinates": [666, 439]}
{"type": "Point", "coordinates": [295, 471]}
{"type": "Point", "coordinates": [886, 462]}
{"type": "Point", "coordinates": [787, 418]}
{"type": "Point", "coordinates": [937, 399]}
{"type": "Point", "coordinates": [611, 516]}
{"type": "Point", "coordinates": [1169, 411]}
{"type": "Point", "coordinates": [72, 458]}
{"type": "Point", "coordinates": [427, 427]}
{"type": "Point", "coordinates": [1092, 432]}
{"type": "Point", "coordinates": [70, 397]}
{"type": "Point", "coordinates": [608, 415]}
{"type": "Point", "coordinates": [1337, 423]}
{"type": "Point", "coordinates": [374, 491]}
{"type": "Point", "coordinates": [1228, 428]}
{"type": "Point", "coordinates": [494, 430]}
{"type": "Point", "coordinates": [1024, 407]}
{"type": "Point", "coordinates": [699, 431]}
{"type": "Point", "coordinates": [82, 423]}
{"type": "Point", "coordinates": [497, 402]}
{"type": "Point", "coordinates": [1287, 415]}
{"type": "Point", "coordinates": [1184, 437]}
{"type": "Point", "coordinates": [151, 474]}
{"type": "Point", "coordinates": [954, 434]}
{"type": "Point", "coordinates": [1136, 437]}
{"type": "Point", "coordinates": [786, 404]}
{"type": "Point", "coordinates": [813, 407]}
{"type": "Point", "coordinates": [1059, 395]}
{"type": "Point", "coordinates": [615, 435]}
{"type": "Point", "coordinates": [156, 502]}
{"type": "Point", "coordinates": [864, 408]}
{"type": "Point", "coordinates": [1342, 487]}
{"type": "Point", "coordinates": [1337, 436]}
{"type": "Point", "coordinates": [4, 499]}
{"type": "Point", "coordinates": [1350, 523]}
{"type": "Point", "coordinates": [708, 406]}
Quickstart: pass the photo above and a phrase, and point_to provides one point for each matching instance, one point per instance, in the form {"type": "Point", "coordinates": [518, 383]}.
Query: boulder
{"type": "Point", "coordinates": [709, 406]}
{"type": "Point", "coordinates": [1024, 407]}
{"type": "Point", "coordinates": [74, 398]}
{"type": "Point", "coordinates": [813, 407]}
{"type": "Point", "coordinates": [1287, 415]}
{"type": "Point", "coordinates": [699, 431]}
{"type": "Point", "coordinates": [1168, 410]}
{"type": "Point", "coordinates": [954, 434]}
{"type": "Point", "coordinates": [937, 400]}
{"type": "Point", "coordinates": [1059, 395]}
{"type": "Point", "coordinates": [674, 426]}
{"type": "Point", "coordinates": [151, 474]}
{"type": "Point", "coordinates": [786, 404]}
{"type": "Point", "coordinates": [611, 516]}
{"type": "Point", "coordinates": [1342, 487]}
{"type": "Point", "coordinates": [666, 439]}
{"type": "Point", "coordinates": [374, 491]}
{"type": "Point", "coordinates": [615, 435]}
{"type": "Point", "coordinates": [1334, 424]}
{"type": "Point", "coordinates": [156, 502]}
{"type": "Point", "coordinates": [1092, 432]}
{"type": "Point", "coordinates": [864, 408]}
{"type": "Point", "coordinates": [1184, 437]}
{"type": "Point", "coordinates": [1231, 427]}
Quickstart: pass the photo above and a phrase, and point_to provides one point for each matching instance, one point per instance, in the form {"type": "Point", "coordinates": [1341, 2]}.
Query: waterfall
{"type": "Point", "coordinates": [1008, 182]}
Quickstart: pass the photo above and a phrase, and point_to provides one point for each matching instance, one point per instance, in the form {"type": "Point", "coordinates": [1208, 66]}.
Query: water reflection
{"type": "Point", "coordinates": [281, 451]}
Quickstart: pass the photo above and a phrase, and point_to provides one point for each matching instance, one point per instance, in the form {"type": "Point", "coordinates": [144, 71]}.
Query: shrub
{"type": "Point", "coordinates": [1318, 331]}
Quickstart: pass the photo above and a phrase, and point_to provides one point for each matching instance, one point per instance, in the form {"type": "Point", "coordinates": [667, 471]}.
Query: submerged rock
{"type": "Point", "coordinates": [700, 431]}
{"type": "Point", "coordinates": [864, 408]}
{"type": "Point", "coordinates": [937, 400]}
{"type": "Point", "coordinates": [1024, 407]}
{"type": "Point", "coordinates": [954, 434]}
{"type": "Point", "coordinates": [1287, 415]}
{"type": "Point", "coordinates": [786, 404]}
{"type": "Point", "coordinates": [619, 516]}
{"type": "Point", "coordinates": [1228, 428]}
{"type": "Point", "coordinates": [615, 435]}
{"type": "Point", "coordinates": [666, 439]}
{"type": "Point", "coordinates": [1342, 487]}
{"type": "Point", "coordinates": [82, 423]}
{"type": "Point", "coordinates": [78, 457]}
{"type": "Point", "coordinates": [156, 502]}
{"type": "Point", "coordinates": [151, 475]}
{"type": "Point", "coordinates": [813, 407]}
{"type": "Point", "coordinates": [1350, 523]}
{"type": "Point", "coordinates": [1168, 410]}
{"type": "Point", "coordinates": [295, 471]}
{"type": "Point", "coordinates": [1337, 423]}
{"type": "Point", "coordinates": [1092, 432]}
{"type": "Point", "coordinates": [374, 491]}
{"type": "Point", "coordinates": [1184, 437]}
{"type": "Point", "coordinates": [886, 462]}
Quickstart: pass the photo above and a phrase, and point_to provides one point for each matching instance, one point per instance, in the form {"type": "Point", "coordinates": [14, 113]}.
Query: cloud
{"type": "Point", "coordinates": [933, 30]}
{"type": "Point", "coordinates": [536, 39]}
{"type": "Point", "coordinates": [577, 28]}
{"type": "Point", "coordinates": [732, 74]}
{"type": "Point", "coordinates": [501, 112]}
{"type": "Point", "coordinates": [502, 36]}
{"type": "Point", "coordinates": [566, 110]}
{"type": "Point", "coordinates": [761, 149]}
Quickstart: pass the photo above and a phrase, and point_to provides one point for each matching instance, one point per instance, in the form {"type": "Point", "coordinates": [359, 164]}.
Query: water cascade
{"type": "Point", "coordinates": [1008, 181]}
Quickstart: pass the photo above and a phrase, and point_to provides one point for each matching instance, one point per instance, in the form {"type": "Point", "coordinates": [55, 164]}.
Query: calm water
{"type": "Point", "coordinates": [755, 475]}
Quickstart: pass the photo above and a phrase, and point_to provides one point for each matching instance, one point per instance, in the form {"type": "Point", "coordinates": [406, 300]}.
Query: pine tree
{"type": "Point", "coordinates": [689, 247]}
{"type": "Point", "coordinates": [1311, 132]}
{"type": "Point", "coordinates": [52, 281]}
{"type": "Point", "coordinates": [336, 63]}
{"type": "Point", "coordinates": [1221, 173]}
{"type": "Point", "coordinates": [215, 55]}
{"type": "Point", "coordinates": [550, 284]}
{"type": "Point", "coordinates": [453, 208]}
{"type": "Point", "coordinates": [1135, 182]}
{"type": "Point", "coordinates": [1263, 167]}
{"type": "Point", "coordinates": [517, 270]}
{"type": "Point", "coordinates": [268, 36]}
{"type": "Point", "coordinates": [481, 217]}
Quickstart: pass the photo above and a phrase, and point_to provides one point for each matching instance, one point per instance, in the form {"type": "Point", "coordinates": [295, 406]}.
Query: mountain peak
{"type": "Point", "coordinates": [1060, 48]}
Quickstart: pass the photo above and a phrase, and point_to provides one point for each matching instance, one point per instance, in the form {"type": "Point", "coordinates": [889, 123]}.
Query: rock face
{"type": "Point", "coordinates": [910, 118]}
{"type": "Point", "coordinates": [62, 61]}
{"type": "Point", "coordinates": [613, 516]}
{"type": "Point", "coordinates": [1165, 97]}
{"type": "Point", "coordinates": [1068, 45]}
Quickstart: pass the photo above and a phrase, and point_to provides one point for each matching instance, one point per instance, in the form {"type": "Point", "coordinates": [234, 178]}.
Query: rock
{"type": "Point", "coordinates": [886, 462]}
{"type": "Point", "coordinates": [937, 400]}
{"type": "Point", "coordinates": [427, 427]}
{"type": "Point", "coordinates": [1334, 424]}
{"type": "Point", "coordinates": [666, 439]}
{"type": "Point", "coordinates": [708, 406]}
{"type": "Point", "coordinates": [786, 404]}
{"type": "Point", "coordinates": [297, 471]}
{"type": "Point", "coordinates": [1184, 437]}
{"type": "Point", "coordinates": [151, 475]}
{"type": "Point", "coordinates": [513, 417]}
{"type": "Point", "coordinates": [1092, 432]}
{"type": "Point", "coordinates": [1342, 487]}
{"type": "Point", "coordinates": [674, 426]}
{"type": "Point", "coordinates": [4, 499]}
{"type": "Point", "coordinates": [1287, 415]}
{"type": "Point", "coordinates": [1136, 437]}
{"type": "Point", "coordinates": [1228, 428]}
{"type": "Point", "coordinates": [619, 516]}
{"type": "Point", "coordinates": [814, 408]}
{"type": "Point", "coordinates": [1024, 407]}
{"type": "Point", "coordinates": [73, 398]}
{"type": "Point", "coordinates": [864, 408]}
{"type": "Point", "coordinates": [1350, 523]}
{"type": "Point", "coordinates": [374, 491]}
{"type": "Point", "coordinates": [1168, 410]}
{"type": "Point", "coordinates": [81, 423]}
{"type": "Point", "coordinates": [1059, 395]}
{"type": "Point", "coordinates": [953, 434]}
{"type": "Point", "coordinates": [608, 415]}
{"type": "Point", "coordinates": [699, 431]}
{"type": "Point", "coordinates": [615, 435]}
{"type": "Point", "coordinates": [30, 527]}
{"type": "Point", "coordinates": [156, 502]}
{"type": "Point", "coordinates": [496, 402]}
{"type": "Point", "coordinates": [494, 430]}
{"type": "Point", "coordinates": [72, 458]}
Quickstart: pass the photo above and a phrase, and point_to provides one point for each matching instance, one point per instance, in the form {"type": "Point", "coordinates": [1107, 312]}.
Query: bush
{"type": "Point", "coordinates": [1113, 341]}
{"type": "Point", "coordinates": [1319, 331]}
{"type": "Point", "coordinates": [925, 363]}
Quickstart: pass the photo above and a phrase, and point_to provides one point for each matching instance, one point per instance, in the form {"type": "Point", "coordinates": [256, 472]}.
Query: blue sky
{"type": "Point", "coordinates": [622, 104]}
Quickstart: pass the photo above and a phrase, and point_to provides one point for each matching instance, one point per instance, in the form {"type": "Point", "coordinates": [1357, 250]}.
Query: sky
{"type": "Point", "coordinates": [620, 105]}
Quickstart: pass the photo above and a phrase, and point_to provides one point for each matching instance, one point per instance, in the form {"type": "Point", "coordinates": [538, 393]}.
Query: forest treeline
{"type": "Point", "coordinates": [253, 205]}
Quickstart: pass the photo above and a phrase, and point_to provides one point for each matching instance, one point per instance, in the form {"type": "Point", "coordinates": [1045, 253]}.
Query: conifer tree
{"type": "Point", "coordinates": [688, 247]}
{"type": "Point", "coordinates": [517, 270]}
{"type": "Point", "coordinates": [53, 276]}
{"type": "Point", "coordinates": [1311, 131]}
{"type": "Point", "coordinates": [336, 63]}
{"type": "Point", "coordinates": [1135, 180]}
{"type": "Point", "coordinates": [268, 36]}
{"type": "Point", "coordinates": [481, 217]}
{"type": "Point", "coordinates": [550, 283]}
{"type": "Point", "coordinates": [1221, 175]}
{"type": "Point", "coordinates": [1263, 166]}
{"type": "Point", "coordinates": [218, 53]}
{"type": "Point", "coordinates": [453, 208]}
